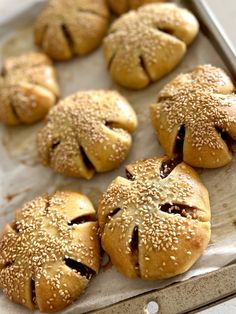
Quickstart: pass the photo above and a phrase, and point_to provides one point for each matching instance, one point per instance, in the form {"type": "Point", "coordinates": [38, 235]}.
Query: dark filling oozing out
{"type": "Point", "coordinates": [33, 293]}
{"type": "Point", "coordinates": [134, 250]}
{"type": "Point", "coordinates": [68, 37]}
{"type": "Point", "coordinates": [14, 227]}
{"type": "Point", "coordinates": [179, 144]}
{"type": "Point", "coordinates": [129, 175]}
{"type": "Point", "coordinates": [181, 210]}
{"type": "Point", "coordinates": [144, 66]}
{"type": "Point", "coordinates": [114, 212]}
{"type": "Point", "coordinates": [168, 166]}
{"type": "Point", "coordinates": [86, 160]}
{"type": "Point", "coordinates": [81, 220]}
{"type": "Point", "coordinates": [166, 30]}
{"type": "Point", "coordinates": [9, 264]}
{"type": "Point", "coordinates": [84, 270]}
{"type": "Point", "coordinates": [55, 145]}
{"type": "Point", "coordinates": [115, 126]}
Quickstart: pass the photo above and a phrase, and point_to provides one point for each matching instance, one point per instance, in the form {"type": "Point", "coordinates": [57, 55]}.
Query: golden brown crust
{"type": "Point", "coordinates": [28, 88]}
{"type": "Point", "coordinates": [200, 105]}
{"type": "Point", "coordinates": [49, 254]}
{"type": "Point", "coordinates": [87, 132]}
{"type": "Point", "coordinates": [144, 45]}
{"type": "Point", "coordinates": [159, 219]}
{"type": "Point", "coordinates": [122, 6]}
{"type": "Point", "coordinates": [71, 27]}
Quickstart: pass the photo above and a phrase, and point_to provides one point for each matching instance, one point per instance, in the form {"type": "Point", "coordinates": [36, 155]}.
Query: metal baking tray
{"type": "Point", "coordinates": [202, 291]}
{"type": "Point", "coordinates": [207, 290]}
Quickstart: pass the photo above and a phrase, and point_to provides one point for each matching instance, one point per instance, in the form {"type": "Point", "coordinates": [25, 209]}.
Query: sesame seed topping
{"type": "Point", "coordinates": [23, 81]}
{"type": "Point", "coordinates": [201, 102]}
{"type": "Point", "coordinates": [78, 27]}
{"type": "Point", "coordinates": [87, 131]}
{"type": "Point", "coordinates": [137, 42]}
{"type": "Point", "coordinates": [137, 204]}
{"type": "Point", "coordinates": [37, 247]}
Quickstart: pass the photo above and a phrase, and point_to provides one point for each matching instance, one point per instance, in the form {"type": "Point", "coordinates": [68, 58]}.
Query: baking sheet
{"type": "Point", "coordinates": [22, 177]}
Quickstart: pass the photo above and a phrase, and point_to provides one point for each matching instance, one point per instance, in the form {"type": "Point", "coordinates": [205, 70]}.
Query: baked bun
{"type": "Point", "coordinates": [158, 219]}
{"type": "Point", "coordinates": [87, 132]}
{"type": "Point", "coordinates": [71, 27]}
{"type": "Point", "coordinates": [49, 254]}
{"type": "Point", "coordinates": [144, 45]}
{"type": "Point", "coordinates": [195, 117]}
{"type": "Point", "coordinates": [121, 6]}
{"type": "Point", "coordinates": [28, 88]}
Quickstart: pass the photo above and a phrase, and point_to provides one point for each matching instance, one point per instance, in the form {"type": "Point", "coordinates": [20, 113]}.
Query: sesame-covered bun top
{"type": "Point", "coordinates": [87, 132]}
{"type": "Point", "coordinates": [195, 116]}
{"type": "Point", "coordinates": [144, 45]}
{"type": "Point", "coordinates": [121, 6]}
{"type": "Point", "coordinates": [71, 27]}
{"type": "Point", "coordinates": [28, 88]}
{"type": "Point", "coordinates": [49, 254]}
{"type": "Point", "coordinates": [158, 217]}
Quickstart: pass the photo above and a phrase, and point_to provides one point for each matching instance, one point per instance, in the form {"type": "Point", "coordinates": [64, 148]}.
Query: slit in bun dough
{"type": "Point", "coordinates": [28, 88]}
{"type": "Point", "coordinates": [71, 27]}
{"type": "Point", "coordinates": [87, 132]}
{"type": "Point", "coordinates": [121, 6]}
{"type": "Point", "coordinates": [159, 219]}
{"type": "Point", "coordinates": [144, 45]}
{"type": "Point", "coordinates": [51, 251]}
{"type": "Point", "coordinates": [195, 117]}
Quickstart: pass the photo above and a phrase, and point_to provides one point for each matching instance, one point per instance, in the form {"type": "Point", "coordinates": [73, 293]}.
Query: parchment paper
{"type": "Point", "coordinates": [23, 178]}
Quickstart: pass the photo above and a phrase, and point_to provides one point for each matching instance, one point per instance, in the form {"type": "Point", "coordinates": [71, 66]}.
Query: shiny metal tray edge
{"type": "Point", "coordinates": [183, 297]}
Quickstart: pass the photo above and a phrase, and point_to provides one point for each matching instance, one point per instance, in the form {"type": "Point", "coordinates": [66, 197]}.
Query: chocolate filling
{"type": "Point", "coordinates": [55, 145]}
{"type": "Point", "coordinates": [166, 30]}
{"type": "Point", "coordinates": [135, 250]}
{"type": "Point", "coordinates": [179, 144]}
{"type": "Point", "coordinates": [86, 160]}
{"type": "Point", "coordinates": [81, 220]}
{"type": "Point", "coordinates": [144, 66]}
{"type": "Point", "coordinates": [14, 227]}
{"type": "Point", "coordinates": [112, 125]}
{"type": "Point", "coordinates": [181, 210]}
{"type": "Point", "coordinates": [33, 293]}
{"type": "Point", "coordinates": [68, 37]}
{"type": "Point", "coordinates": [114, 212]}
{"type": "Point", "coordinates": [9, 264]}
{"type": "Point", "coordinates": [84, 270]}
{"type": "Point", "coordinates": [168, 166]}
{"type": "Point", "coordinates": [129, 175]}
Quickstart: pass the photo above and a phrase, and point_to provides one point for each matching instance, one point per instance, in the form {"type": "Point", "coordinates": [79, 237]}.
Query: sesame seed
{"type": "Point", "coordinates": [140, 202]}
{"type": "Point", "coordinates": [32, 247]}
{"type": "Point", "coordinates": [90, 116]}
{"type": "Point", "coordinates": [196, 101]}
{"type": "Point", "coordinates": [137, 39]}
{"type": "Point", "coordinates": [19, 95]}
